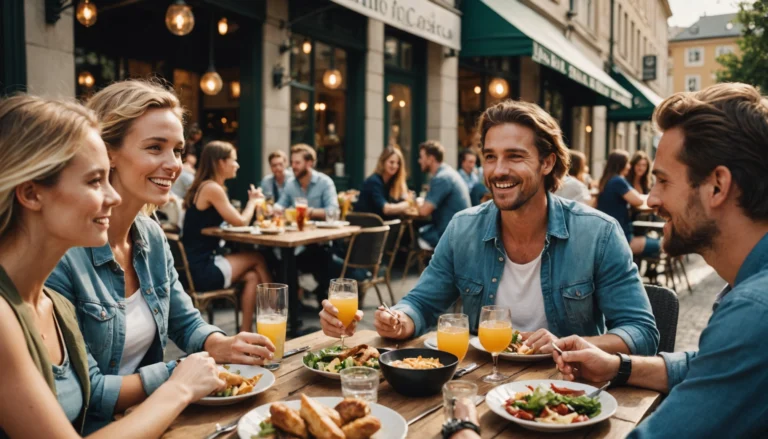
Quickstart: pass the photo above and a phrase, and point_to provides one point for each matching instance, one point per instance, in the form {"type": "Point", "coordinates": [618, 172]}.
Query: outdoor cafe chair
{"type": "Point", "coordinates": [203, 300]}
{"type": "Point", "coordinates": [365, 251]}
{"type": "Point", "coordinates": [666, 308]}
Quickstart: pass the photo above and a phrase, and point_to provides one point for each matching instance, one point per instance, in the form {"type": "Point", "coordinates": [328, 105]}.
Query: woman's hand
{"type": "Point", "coordinates": [243, 348]}
{"type": "Point", "coordinates": [198, 375]}
{"type": "Point", "coordinates": [254, 193]}
{"type": "Point", "coordinates": [332, 326]}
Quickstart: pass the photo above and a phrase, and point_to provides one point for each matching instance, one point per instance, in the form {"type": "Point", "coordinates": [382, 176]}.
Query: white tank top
{"type": "Point", "coordinates": [520, 291]}
{"type": "Point", "coordinates": [140, 330]}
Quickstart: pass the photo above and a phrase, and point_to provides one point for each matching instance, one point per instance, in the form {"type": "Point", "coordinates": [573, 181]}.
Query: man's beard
{"type": "Point", "coordinates": [695, 234]}
{"type": "Point", "coordinates": [301, 174]}
{"type": "Point", "coordinates": [517, 201]}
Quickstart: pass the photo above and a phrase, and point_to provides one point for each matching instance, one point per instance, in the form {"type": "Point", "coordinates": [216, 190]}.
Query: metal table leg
{"type": "Point", "coordinates": [290, 277]}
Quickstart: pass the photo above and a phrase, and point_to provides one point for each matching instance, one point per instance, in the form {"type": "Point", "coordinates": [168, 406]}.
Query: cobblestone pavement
{"type": "Point", "coordinates": [695, 309]}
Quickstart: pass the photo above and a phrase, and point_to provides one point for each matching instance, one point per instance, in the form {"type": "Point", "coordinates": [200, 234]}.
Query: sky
{"type": "Point", "coordinates": [686, 12]}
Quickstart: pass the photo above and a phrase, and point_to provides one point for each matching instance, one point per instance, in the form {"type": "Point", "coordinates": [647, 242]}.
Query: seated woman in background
{"type": "Point", "coordinates": [54, 181]}
{"type": "Point", "coordinates": [208, 205]}
{"type": "Point", "coordinates": [572, 188]}
{"type": "Point", "coordinates": [127, 294]}
{"type": "Point", "coordinates": [639, 175]}
{"type": "Point", "coordinates": [616, 197]}
{"type": "Point", "coordinates": [385, 192]}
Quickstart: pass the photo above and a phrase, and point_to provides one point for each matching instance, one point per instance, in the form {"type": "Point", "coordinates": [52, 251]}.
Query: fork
{"type": "Point", "coordinates": [221, 429]}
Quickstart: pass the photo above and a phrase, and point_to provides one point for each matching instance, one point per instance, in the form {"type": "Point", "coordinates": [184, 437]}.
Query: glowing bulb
{"type": "Point", "coordinates": [306, 47]}
{"type": "Point", "coordinates": [211, 83]}
{"type": "Point", "coordinates": [390, 98]}
{"type": "Point", "coordinates": [86, 13]}
{"type": "Point", "coordinates": [223, 120]}
{"type": "Point", "coordinates": [179, 18]}
{"type": "Point", "coordinates": [588, 128]}
{"type": "Point", "coordinates": [402, 104]}
{"type": "Point", "coordinates": [332, 78]}
{"type": "Point", "coordinates": [499, 88]}
{"type": "Point", "coordinates": [478, 89]}
{"type": "Point", "coordinates": [223, 26]}
{"type": "Point", "coordinates": [85, 79]}
{"type": "Point", "coordinates": [235, 89]}
{"type": "Point", "coordinates": [303, 106]}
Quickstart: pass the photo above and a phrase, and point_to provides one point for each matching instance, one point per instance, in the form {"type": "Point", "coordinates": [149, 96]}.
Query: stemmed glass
{"type": "Point", "coordinates": [453, 334]}
{"type": "Point", "coordinates": [271, 318]}
{"type": "Point", "coordinates": [343, 295]}
{"type": "Point", "coordinates": [495, 334]}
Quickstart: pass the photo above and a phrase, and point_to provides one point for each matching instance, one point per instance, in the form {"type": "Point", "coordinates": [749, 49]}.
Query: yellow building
{"type": "Point", "coordinates": [693, 52]}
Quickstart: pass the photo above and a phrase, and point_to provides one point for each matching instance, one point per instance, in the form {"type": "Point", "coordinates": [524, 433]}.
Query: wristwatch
{"type": "Point", "coordinates": [454, 426]}
{"type": "Point", "coordinates": [625, 370]}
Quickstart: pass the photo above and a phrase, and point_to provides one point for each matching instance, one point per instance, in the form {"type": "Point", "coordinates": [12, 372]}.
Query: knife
{"type": "Point", "coordinates": [465, 370]}
{"type": "Point", "coordinates": [295, 351]}
{"type": "Point", "coordinates": [478, 400]}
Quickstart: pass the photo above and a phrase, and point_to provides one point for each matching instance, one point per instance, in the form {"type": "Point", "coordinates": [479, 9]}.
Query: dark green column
{"type": "Point", "coordinates": [13, 52]}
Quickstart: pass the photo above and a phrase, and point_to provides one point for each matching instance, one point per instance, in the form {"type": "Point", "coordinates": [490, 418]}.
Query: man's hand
{"type": "Point", "coordinates": [583, 359]}
{"type": "Point", "coordinates": [332, 326]}
{"type": "Point", "coordinates": [540, 341]}
{"type": "Point", "coordinates": [243, 348]}
{"type": "Point", "coordinates": [399, 327]}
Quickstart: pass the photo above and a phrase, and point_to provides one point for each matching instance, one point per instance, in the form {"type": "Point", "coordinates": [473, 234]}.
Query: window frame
{"type": "Point", "coordinates": [698, 82]}
{"type": "Point", "coordinates": [688, 51]}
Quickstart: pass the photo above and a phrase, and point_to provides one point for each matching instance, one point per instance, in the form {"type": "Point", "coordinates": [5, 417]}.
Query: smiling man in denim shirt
{"type": "Point", "coordinates": [710, 170]}
{"type": "Point", "coordinates": [561, 267]}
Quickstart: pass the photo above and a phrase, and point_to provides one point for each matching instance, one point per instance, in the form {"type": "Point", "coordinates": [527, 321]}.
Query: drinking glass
{"type": "Point", "coordinates": [331, 214]}
{"type": "Point", "coordinates": [360, 382]}
{"type": "Point", "coordinates": [343, 295]}
{"type": "Point", "coordinates": [495, 334]}
{"type": "Point", "coordinates": [453, 334]}
{"type": "Point", "coordinates": [301, 212]}
{"type": "Point", "coordinates": [271, 318]}
{"type": "Point", "coordinates": [457, 391]}
{"type": "Point", "coordinates": [261, 209]}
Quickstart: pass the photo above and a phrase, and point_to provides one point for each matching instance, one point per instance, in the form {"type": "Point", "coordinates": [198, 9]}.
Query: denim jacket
{"type": "Point", "coordinates": [92, 280]}
{"type": "Point", "coordinates": [720, 390]}
{"type": "Point", "coordinates": [588, 279]}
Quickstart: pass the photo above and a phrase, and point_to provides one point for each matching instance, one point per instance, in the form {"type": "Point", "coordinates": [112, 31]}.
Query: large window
{"type": "Point", "coordinates": [318, 100]}
{"type": "Point", "coordinates": [692, 82]}
{"type": "Point", "coordinates": [694, 57]}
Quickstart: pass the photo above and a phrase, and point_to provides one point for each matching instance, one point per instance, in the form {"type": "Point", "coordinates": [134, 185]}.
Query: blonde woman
{"type": "Point", "coordinates": [126, 293]}
{"type": "Point", "coordinates": [208, 205]}
{"type": "Point", "coordinates": [54, 182]}
{"type": "Point", "coordinates": [385, 192]}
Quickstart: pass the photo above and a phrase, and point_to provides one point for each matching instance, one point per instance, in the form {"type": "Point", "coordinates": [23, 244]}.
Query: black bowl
{"type": "Point", "coordinates": [412, 382]}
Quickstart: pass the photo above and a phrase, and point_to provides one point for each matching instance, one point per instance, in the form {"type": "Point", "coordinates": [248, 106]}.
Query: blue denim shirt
{"type": "Point", "coordinates": [320, 193]}
{"type": "Point", "coordinates": [720, 391]}
{"type": "Point", "coordinates": [268, 185]}
{"type": "Point", "coordinates": [588, 279]}
{"type": "Point", "coordinates": [469, 179]}
{"type": "Point", "coordinates": [92, 280]}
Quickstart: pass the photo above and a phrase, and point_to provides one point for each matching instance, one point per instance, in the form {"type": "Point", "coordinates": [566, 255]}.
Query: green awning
{"type": "Point", "coordinates": [509, 28]}
{"type": "Point", "coordinates": [644, 100]}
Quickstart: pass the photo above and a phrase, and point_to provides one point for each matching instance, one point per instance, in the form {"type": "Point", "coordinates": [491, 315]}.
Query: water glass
{"type": "Point", "coordinates": [331, 214]}
{"type": "Point", "coordinates": [272, 318]}
{"type": "Point", "coordinates": [455, 393]}
{"type": "Point", "coordinates": [361, 382]}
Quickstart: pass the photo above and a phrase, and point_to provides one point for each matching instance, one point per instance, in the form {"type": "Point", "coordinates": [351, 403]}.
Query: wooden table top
{"type": "Point", "coordinates": [310, 235]}
{"type": "Point", "coordinates": [293, 380]}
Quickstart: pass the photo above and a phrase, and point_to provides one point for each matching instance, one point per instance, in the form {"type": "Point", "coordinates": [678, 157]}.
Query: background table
{"type": "Point", "coordinates": [287, 242]}
{"type": "Point", "coordinates": [293, 380]}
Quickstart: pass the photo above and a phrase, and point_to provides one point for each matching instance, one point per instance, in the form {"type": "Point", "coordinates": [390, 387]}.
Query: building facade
{"type": "Point", "coordinates": [350, 77]}
{"type": "Point", "coordinates": [693, 52]}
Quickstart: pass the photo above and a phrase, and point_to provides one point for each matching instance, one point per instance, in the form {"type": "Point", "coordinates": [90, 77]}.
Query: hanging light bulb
{"type": "Point", "coordinates": [211, 82]}
{"type": "Point", "coordinates": [223, 26]}
{"type": "Point", "coordinates": [303, 106]}
{"type": "Point", "coordinates": [402, 104]}
{"type": "Point", "coordinates": [498, 88]}
{"type": "Point", "coordinates": [478, 90]}
{"type": "Point", "coordinates": [306, 47]}
{"type": "Point", "coordinates": [332, 78]}
{"type": "Point", "coordinates": [179, 18]}
{"type": "Point", "coordinates": [85, 79]}
{"type": "Point", "coordinates": [86, 13]}
{"type": "Point", "coordinates": [390, 98]}
{"type": "Point", "coordinates": [234, 89]}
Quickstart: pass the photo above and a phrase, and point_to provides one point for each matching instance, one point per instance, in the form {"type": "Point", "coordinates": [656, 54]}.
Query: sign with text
{"type": "Point", "coordinates": [419, 17]}
{"type": "Point", "coordinates": [649, 67]}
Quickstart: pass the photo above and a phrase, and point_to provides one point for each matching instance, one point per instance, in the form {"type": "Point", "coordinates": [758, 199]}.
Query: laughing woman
{"type": "Point", "coordinates": [127, 293]}
{"type": "Point", "coordinates": [54, 182]}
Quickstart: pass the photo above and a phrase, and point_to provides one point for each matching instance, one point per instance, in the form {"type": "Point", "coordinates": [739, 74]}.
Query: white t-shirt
{"type": "Point", "coordinates": [140, 330]}
{"type": "Point", "coordinates": [572, 189]}
{"type": "Point", "coordinates": [520, 291]}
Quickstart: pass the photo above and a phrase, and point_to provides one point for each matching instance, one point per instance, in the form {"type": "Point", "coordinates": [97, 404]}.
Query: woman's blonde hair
{"type": "Point", "coordinates": [398, 187]}
{"type": "Point", "coordinates": [38, 139]}
{"type": "Point", "coordinates": [212, 153]}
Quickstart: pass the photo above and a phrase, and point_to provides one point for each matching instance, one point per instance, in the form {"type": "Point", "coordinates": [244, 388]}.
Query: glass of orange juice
{"type": "Point", "coordinates": [343, 295]}
{"type": "Point", "coordinates": [271, 318]}
{"type": "Point", "coordinates": [453, 334]}
{"type": "Point", "coordinates": [495, 334]}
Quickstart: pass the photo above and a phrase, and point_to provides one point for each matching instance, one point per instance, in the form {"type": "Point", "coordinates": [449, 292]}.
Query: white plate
{"type": "Point", "coordinates": [497, 396]}
{"type": "Point", "coordinates": [393, 425]}
{"type": "Point", "coordinates": [272, 231]}
{"type": "Point", "coordinates": [240, 229]}
{"type": "Point", "coordinates": [266, 381]}
{"type": "Point", "coordinates": [431, 342]}
{"type": "Point", "coordinates": [331, 375]}
{"type": "Point", "coordinates": [475, 342]}
{"type": "Point", "coordinates": [333, 225]}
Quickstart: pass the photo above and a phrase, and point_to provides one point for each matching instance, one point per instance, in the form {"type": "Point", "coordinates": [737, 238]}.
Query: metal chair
{"type": "Point", "coordinates": [672, 267]}
{"type": "Point", "coordinates": [201, 300]}
{"type": "Point", "coordinates": [416, 254]}
{"type": "Point", "coordinates": [365, 251]}
{"type": "Point", "coordinates": [364, 219]}
{"type": "Point", "coordinates": [666, 308]}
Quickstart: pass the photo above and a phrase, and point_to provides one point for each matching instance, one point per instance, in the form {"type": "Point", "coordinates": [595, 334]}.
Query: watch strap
{"type": "Point", "coordinates": [452, 427]}
{"type": "Point", "coordinates": [625, 370]}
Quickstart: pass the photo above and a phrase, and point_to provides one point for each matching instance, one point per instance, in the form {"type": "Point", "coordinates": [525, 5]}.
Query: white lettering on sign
{"type": "Point", "coordinates": [419, 17]}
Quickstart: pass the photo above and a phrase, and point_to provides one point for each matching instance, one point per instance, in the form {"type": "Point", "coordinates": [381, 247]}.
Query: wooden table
{"type": "Point", "coordinates": [287, 242]}
{"type": "Point", "coordinates": [293, 380]}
